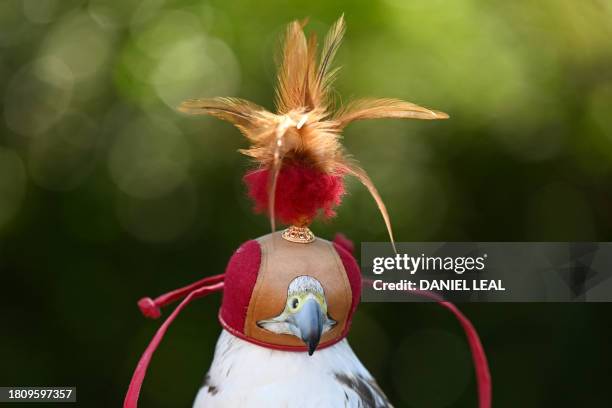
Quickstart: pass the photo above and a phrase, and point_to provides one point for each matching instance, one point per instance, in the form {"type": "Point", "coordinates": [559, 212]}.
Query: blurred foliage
{"type": "Point", "coordinates": [107, 194]}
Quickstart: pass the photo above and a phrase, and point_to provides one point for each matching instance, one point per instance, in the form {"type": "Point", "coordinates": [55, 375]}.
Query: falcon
{"type": "Point", "coordinates": [246, 375]}
{"type": "Point", "coordinates": [289, 296]}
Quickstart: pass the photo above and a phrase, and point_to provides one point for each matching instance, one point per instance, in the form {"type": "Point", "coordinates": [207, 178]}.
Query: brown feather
{"type": "Point", "coordinates": [293, 69]}
{"type": "Point", "coordinates": [233, 110]}
{"type": "Point", "coordinates": [330, 47]}
{"type": "Point", "coordinates": [272, 182]}
{"type": "Point", "coordinates": [311, 97]}
{"type": "Point", "coordinates": [277, 163]}
{"type": "Point", "coordinates": [361, 175]}
{"type": "Point", "coordinates": [384, 108]}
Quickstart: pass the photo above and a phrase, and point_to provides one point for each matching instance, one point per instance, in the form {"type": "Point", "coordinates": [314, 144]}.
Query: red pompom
{"type": "Point", "coordinates": [302, 193]}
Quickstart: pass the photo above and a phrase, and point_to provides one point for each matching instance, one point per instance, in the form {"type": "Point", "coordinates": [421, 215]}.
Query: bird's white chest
{"type": "Point", "coordinates": [246, 375]}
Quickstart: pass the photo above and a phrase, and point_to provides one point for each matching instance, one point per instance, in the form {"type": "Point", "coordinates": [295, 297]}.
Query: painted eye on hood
{"type": "Point", "coordinates": [294, 303]}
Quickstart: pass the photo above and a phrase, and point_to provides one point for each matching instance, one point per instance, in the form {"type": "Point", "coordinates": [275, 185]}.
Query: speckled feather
{"type": "Point", "coordinates": [249, 376]}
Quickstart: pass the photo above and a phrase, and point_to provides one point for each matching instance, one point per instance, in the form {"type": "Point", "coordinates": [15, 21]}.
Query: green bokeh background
{"type": "Point", "coordinates": [107, 194]}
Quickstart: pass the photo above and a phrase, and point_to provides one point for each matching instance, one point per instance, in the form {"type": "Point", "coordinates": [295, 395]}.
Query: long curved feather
{"type": "Point", "coordinates": [330, 47]}
{"type": "Point", "coordinates": [311, 95]}
{"type": "Point", "coordinates": [237, 111]}
{"type": "Point", "coordinates": [363, 177]}
{"type": "Point", "coordinates": [292, 70]}
{"type": "Point", "coordinates": [276, 167]}
{"type": "Point", "coordinates": [384, 108]}
{"type": "Point", "coordinates": [275, 171]}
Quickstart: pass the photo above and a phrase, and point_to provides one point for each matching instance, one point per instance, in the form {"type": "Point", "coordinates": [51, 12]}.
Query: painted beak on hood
{"type": "Point", "coordinates": [309, 320]}
{"type": "Point", "coordinates": [305, 314]}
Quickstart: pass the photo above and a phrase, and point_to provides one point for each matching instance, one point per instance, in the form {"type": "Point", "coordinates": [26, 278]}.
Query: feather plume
{"type": "Point", "coordinates": [297, 149]}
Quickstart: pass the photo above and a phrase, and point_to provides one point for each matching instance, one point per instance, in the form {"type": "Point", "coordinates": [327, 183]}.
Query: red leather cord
{"type": "Point", "coordinates": [215, 283]}
{"type": "Point", "coordinates": [131, 398]}
{"type": "Point", "coordinates": [479, 357]}
{"type": "Point", "coordinates": [151, 308]}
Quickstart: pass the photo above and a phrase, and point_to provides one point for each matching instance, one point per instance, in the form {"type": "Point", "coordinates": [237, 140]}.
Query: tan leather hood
{"type": "Point", "coordinates": [281, 262]}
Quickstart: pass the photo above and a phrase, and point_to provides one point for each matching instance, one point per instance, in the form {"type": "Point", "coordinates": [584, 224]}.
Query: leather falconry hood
{"type": "Point", "coordinates": [298, 175]}
{"type": "Point", "coordinates": [256, 291]}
